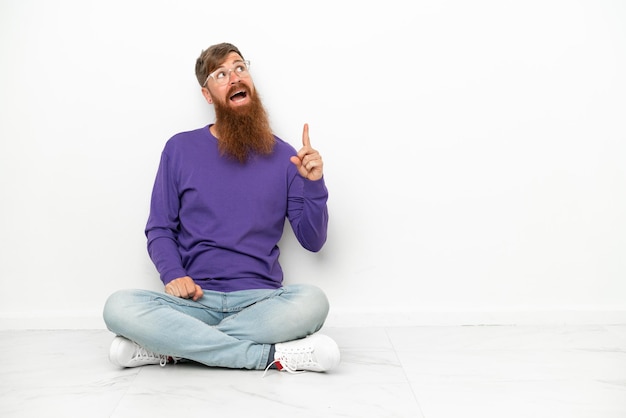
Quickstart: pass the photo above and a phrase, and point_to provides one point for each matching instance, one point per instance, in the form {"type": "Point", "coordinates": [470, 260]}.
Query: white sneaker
{"type": "Point", "coordinates": [125, 353]}
{"type": "Point", "coordinates": [316, 353]}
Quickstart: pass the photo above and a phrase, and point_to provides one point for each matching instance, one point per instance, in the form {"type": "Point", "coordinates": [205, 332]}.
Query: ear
{"type": "Point", "coordinates": [207, 95]}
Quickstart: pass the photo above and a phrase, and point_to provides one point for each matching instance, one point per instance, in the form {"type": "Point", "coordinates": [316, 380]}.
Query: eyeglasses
{"type": "Point", "coordinates": [222, 75]}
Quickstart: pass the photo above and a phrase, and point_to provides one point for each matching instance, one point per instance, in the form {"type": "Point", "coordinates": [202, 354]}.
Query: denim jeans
{"type": "Point", "coordinates": [234, 329]}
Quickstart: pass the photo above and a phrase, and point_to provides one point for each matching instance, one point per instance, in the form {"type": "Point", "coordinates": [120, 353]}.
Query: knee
{"type": "Point", "coordinates": [116, 309]}
{"type": "Point", "coordinates": [320, 300]}
{"type": "Point", "coordinates": [315, 301]}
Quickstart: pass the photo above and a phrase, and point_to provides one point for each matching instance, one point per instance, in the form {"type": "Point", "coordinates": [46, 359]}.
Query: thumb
{"type": "Point", "coordinates": [297, 161]}
{"type": "Point", "coordinates": [198, 293]}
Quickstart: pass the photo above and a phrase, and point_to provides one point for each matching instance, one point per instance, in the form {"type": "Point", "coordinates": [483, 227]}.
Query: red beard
{"type": "Point", "coordinates": [244, 130]}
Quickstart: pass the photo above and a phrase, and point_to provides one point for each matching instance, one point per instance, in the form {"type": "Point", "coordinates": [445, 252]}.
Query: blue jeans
{"type": "Point", "coordinates": [234, 329]}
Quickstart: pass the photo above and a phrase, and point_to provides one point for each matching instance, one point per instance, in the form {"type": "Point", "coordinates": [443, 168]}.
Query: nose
{"type": "Point", "coordinates": [230, 76]}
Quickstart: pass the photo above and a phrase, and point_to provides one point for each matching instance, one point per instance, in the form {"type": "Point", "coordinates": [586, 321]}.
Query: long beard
{"type": "Point", "coordinates": [244, 130]}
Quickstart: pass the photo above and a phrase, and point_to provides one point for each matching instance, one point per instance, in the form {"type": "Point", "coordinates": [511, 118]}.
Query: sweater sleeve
{"type": "Point", "coordinates": [163, 224]}
{"type": "Point", "coordinates": [307, 212]}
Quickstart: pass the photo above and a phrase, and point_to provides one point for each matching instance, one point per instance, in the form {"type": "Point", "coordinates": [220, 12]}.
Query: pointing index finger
{"type": "Point", "coordinates": [305, 136]}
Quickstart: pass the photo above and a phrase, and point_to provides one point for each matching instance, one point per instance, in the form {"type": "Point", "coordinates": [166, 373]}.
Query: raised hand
{"type": "Point", "coordinates": [308, 161]}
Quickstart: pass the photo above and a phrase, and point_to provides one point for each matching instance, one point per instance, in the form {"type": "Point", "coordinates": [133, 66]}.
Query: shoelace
{"type": "Point", "coordinates": [283, 367]}
{"type": "Point", "coordinates": [143, 353]}
{"type": "Point", "coordinates": [297, 365]}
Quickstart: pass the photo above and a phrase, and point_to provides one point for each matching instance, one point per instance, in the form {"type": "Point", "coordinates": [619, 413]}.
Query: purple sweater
{"type": "Point", "coordinates": [219, 221]}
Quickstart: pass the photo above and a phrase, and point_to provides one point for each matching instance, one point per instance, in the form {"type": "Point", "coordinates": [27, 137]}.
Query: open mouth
{"type": "Point", "coordinates": [238, 96]}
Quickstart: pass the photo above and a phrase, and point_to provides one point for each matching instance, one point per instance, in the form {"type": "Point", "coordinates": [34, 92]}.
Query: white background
{"type": "Point", "coordinates": [474, 150]}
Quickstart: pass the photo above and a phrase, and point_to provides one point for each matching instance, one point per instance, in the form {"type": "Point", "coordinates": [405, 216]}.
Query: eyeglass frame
{"type": "Point", "coordinates": [246, 63]}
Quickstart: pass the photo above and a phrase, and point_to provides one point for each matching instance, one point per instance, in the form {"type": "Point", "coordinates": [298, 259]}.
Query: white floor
{"type": "Point", "coordinates": [431, 372]}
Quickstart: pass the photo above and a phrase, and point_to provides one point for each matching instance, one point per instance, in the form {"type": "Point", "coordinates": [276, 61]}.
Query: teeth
{"type": "Point", "coordinates": [238, 92]}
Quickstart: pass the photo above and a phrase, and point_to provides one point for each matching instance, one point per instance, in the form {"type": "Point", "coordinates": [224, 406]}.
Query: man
{"type": "Point", "coordinates": [219, 204]}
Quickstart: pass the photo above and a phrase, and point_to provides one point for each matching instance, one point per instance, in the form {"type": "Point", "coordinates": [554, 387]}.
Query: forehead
{"type": "Point", "coordinates": [230, 58]}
